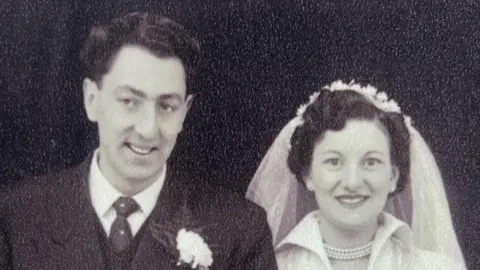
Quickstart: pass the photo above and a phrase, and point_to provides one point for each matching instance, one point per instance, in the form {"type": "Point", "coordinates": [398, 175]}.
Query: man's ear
{"type": "Point", "coordinates": [189, 101]}
{"type": "Point", "coordinates": [394, 179]}
{"type": "Point", "coordinates": [188, 104]}
{"type": "Point", "coordinates": [90, 98]}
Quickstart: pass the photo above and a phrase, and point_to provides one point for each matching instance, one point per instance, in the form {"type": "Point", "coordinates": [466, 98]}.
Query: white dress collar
{"type": "Point", "coordinates": [307, 235]}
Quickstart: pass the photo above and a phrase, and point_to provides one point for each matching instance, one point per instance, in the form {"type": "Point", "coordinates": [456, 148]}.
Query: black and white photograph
{"type": "Point", "coordinates": [249, 135]}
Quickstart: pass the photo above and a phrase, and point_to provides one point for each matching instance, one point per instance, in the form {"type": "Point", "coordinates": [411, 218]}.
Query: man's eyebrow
{"type": "Point", "coordinates": [142, 94]}
{"type": "Point", "coordinates": [170, 96]}
{"type": "Point", "coordinates": [133, 90]}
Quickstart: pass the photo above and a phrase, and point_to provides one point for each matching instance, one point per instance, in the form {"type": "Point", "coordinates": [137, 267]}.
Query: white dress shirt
{"type": "Point", "coordinates": [103, 195]}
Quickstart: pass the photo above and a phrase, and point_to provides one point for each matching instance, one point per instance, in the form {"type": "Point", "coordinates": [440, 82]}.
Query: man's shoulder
{"type": "Point", "coordinates": [30, 190]}
{"type": "Point", "coordinates": [227, 200]}
{"type": "Point", "coordinates": [233, 207]}
{"type": "Point", "coordinates": [205, 195]}
{"type": "Point", "coordinates": [28, 187]}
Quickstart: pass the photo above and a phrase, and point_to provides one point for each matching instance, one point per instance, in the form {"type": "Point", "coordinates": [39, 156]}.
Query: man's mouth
{"type": "Point", "coordinates": [141, 150]}
{"type": "Point", "coordinates": [352, 201]}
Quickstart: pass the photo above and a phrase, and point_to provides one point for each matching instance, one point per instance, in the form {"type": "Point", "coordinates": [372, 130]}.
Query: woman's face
{"type": "Point", "coordinates": [351, 174]}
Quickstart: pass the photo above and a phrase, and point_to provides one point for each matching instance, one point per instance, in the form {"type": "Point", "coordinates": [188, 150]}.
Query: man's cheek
{"type": "Point", "coordinates": [171, 129]}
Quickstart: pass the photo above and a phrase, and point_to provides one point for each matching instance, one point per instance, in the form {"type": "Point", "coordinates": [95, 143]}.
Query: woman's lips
{"type": "Point", "coordinates": [352, 201]}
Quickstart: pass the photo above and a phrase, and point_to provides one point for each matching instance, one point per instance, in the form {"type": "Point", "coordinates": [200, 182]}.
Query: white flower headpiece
{"type": "Point", "coordinates": [378, 99]}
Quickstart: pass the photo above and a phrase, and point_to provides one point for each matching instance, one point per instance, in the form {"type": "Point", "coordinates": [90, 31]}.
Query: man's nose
{"type": "Point", "coordinates": [147, 123]}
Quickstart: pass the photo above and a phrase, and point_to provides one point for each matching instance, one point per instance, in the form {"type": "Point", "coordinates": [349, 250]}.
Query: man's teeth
{"type": "Point", "coordinates": [140, 150]}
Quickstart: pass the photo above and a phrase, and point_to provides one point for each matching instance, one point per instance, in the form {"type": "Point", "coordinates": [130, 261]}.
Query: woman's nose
{"type": "Point", "coordinates": [352, 178]}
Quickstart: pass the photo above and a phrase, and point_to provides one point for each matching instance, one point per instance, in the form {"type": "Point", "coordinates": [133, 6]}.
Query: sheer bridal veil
{"type": "Point", "coordinates": [423, 204]}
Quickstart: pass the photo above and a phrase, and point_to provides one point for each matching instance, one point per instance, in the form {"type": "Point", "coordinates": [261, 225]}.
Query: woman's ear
{"type": "Point", "coordinates": [309, 183]}
{"type": "Point", "coordinates": [394, 179]}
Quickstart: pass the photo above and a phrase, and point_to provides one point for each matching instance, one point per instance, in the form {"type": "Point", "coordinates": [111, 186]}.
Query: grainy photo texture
{"type": "Point", "coordinates": [291, 134]}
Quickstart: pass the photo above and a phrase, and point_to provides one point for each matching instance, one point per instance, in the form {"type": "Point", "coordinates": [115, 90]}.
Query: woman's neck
{"type": "Point", "coordinates": [346, 238]}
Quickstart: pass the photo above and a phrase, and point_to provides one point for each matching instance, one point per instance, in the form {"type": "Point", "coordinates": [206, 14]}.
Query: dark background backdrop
{"type": "Point", "coordinates": [263, 58]}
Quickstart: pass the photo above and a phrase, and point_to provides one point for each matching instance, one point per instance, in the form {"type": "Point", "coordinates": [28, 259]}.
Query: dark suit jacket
{"type": "Point", "coordinates": [49, 223]}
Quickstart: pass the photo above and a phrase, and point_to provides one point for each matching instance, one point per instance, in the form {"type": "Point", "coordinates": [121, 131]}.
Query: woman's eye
{"type": "Point", "coordinates": [332, 162]}
{"type": "Point", "coordinates": [370, 162]}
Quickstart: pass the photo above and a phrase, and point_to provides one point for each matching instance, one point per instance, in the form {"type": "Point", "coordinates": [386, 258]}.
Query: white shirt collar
{"type": "Point", "coordinates": [307, 234]}
{"type": "Point", "coordinates": [103, 194]}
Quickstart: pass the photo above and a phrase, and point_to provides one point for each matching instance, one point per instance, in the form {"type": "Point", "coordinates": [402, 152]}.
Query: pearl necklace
{"type": "Point", "coordinates": [348, 254]}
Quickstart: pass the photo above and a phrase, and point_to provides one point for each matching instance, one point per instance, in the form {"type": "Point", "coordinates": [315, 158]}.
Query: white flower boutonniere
{"type": "Point", "coordinates": [193, 250]}
{"type": "Point", "coordinates": [184, 237]}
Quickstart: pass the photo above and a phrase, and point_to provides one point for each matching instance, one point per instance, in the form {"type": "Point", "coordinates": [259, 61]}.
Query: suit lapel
{"type": "Point", "coordinates": [151, 254]}
{"type": "Point", "coordinates": [73, 233]}
{"type": "Point", "coordinates": [71, 239]}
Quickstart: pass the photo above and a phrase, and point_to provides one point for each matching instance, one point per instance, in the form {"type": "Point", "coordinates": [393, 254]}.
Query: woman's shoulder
{"type": "Point", "coordinates": [424, 259]}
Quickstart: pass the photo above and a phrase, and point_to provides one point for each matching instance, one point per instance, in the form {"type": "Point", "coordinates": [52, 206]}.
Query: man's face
{"type": "Point", "coordinates": [139, 107]}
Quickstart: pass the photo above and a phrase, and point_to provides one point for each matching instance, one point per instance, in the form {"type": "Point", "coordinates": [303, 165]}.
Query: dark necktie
{"type": "Point", "coordinates": [120, 233]}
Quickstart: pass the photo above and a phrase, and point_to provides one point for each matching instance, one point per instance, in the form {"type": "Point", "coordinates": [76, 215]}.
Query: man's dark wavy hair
{"type": "Point", "coordinates": [159, 35]}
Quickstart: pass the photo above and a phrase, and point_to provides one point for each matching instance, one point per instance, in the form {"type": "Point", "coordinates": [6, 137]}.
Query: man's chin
{"type": "Point", "coordinates": [137, 181]}
{"type": "Point", "coordinates": [140, 176]}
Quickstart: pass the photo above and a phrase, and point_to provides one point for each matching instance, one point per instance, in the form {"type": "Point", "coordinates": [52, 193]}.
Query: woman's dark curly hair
{"type": "Point", "coordinates": [331, 111]}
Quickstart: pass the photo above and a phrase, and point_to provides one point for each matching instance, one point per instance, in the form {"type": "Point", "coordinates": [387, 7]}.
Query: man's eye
{"type": "Point", "coordinates": [126, 101]}
{"type": "Point", "coordinates": [167, 107]}
{"type": "Point", "coordinates": [129, 103]}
